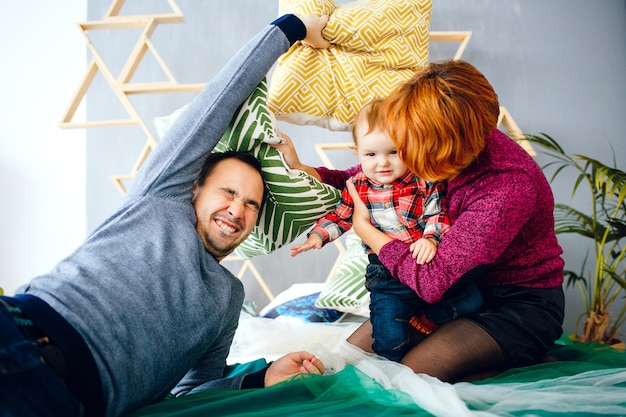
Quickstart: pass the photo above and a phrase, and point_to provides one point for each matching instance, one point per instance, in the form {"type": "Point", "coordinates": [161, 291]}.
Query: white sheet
{"type": "Point", "coordinates": [594, 392]}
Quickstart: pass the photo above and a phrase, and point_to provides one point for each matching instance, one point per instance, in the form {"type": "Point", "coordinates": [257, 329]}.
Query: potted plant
{"type": "Point", "coordinates": [601, 278]}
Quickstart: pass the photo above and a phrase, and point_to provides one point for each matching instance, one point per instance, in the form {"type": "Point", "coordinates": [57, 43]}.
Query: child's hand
{"type": "Point", "coordinates": [312, 242]}
{"type": "Point", "coordinates": [424, 250]}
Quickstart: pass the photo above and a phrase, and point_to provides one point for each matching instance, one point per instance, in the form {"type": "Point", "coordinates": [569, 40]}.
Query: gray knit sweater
{"type": "Point", "coordinates": [147, 298]}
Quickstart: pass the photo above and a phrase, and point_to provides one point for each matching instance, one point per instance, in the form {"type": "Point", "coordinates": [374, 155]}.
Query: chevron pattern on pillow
{"type": "Point", "coordinates": [346, 290]}
{"type": "Point", "coordinates": [295, 200]}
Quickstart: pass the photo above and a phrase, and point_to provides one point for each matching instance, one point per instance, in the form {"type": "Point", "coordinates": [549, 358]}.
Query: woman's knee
{"type": "Point", "coordinates": [456, 350]}
{"type": "Point", "coordinates": [362, 337]}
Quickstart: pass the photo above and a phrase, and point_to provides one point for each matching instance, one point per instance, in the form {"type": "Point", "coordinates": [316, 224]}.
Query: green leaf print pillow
{"type": "Point", "coordinates": [295, 200]}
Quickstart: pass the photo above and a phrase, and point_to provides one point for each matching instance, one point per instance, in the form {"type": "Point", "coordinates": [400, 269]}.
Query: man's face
{"type": "Point", "coordinates": [227, 206]}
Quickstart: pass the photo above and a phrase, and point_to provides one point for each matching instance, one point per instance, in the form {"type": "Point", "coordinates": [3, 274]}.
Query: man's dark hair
{"type": "Point", "coordinates": [214, 158]}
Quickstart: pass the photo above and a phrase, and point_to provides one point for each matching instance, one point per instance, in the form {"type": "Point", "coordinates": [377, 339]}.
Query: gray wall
{"type": "Point", "coordinates": [557, 66]}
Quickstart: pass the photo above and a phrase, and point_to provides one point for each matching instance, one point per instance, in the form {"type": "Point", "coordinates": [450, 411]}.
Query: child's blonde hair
{"type": "Point", "coordinates": [370, 114]}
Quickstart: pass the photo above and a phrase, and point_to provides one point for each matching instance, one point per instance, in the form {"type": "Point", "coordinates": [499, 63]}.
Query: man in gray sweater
{"type": "Point", "coordinates": [143, 307]}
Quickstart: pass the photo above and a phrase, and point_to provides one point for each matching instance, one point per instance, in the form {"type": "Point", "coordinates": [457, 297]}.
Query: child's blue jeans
{"type": "Point", "coordinates": [393, 304]}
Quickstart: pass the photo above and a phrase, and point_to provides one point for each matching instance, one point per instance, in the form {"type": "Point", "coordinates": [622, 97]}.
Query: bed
{"type": "Point", "coordinates": [580, 380]}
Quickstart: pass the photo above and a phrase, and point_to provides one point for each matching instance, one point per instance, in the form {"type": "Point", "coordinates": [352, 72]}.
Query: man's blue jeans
{"type": "Point", "coordinates": [393, 304]}
{"type": "Point", "coordinates": [28, 387]}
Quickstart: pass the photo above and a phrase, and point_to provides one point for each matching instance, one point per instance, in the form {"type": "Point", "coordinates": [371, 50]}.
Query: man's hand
{"type": "Point", "coordinates": [293, 364]}
{"type": "Point", "coordinates": [314, 26]}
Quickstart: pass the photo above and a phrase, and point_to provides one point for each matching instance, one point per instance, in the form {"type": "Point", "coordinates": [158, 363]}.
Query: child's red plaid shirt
{"type": "Point", "coordinates": [407, 209]}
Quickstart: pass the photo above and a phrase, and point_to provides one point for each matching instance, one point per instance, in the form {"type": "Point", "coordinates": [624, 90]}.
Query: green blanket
{"type": "Point", "coordinates": [595, 372]}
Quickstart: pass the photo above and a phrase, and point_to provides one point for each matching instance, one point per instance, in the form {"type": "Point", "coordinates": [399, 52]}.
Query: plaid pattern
{"type": "Point", "coordinates": [407, 209]}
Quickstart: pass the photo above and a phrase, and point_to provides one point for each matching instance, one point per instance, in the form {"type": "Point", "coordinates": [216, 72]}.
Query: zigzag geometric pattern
{"type": "Point", "coordinates": [376, 45]}
{"type": "Point", "coordinates": [122, 84]}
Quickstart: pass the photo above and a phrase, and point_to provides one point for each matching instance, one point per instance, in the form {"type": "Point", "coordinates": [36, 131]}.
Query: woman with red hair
{"type": "Point", "coordinates": [444, 123]}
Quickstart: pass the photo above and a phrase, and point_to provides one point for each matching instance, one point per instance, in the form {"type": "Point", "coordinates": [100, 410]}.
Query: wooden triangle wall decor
{"type": "Point", "coordinates": [122, 85]}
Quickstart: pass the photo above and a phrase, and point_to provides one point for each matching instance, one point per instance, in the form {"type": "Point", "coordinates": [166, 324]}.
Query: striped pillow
{"type": "Point", "coordinates": [295, 200]}
{"type": "Point", "coordinates": [346, 290]}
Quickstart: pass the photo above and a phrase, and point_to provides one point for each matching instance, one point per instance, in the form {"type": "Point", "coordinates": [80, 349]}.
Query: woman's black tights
{"type": "Point", "coordinates": [458, 350]}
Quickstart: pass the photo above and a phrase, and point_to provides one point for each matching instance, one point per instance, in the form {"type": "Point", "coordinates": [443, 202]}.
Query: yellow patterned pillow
{"type": "Point", "coordinates": [376, 45]}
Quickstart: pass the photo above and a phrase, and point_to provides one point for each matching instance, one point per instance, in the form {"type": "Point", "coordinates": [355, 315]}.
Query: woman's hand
{"type": "Point", "coordinates": [314, 26]}
{"type": "Point", "coordinates": [361, 223]}
{"type": "Point", "coordinates": [360, 215]}
{"type": "Point", "coordinates": [289, 152]}
{"type": "Point", "coordinates": [290, 156]}
{"type": "Point", "coordinates": [293, 364]}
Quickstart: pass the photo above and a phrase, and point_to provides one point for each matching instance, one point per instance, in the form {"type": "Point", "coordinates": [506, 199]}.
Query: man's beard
{"type": "Point", "coordinates": [217, 248]}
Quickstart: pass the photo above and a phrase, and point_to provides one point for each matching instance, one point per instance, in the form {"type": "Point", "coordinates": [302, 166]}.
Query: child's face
{"type": "Point", "coordinates": [378, 156]}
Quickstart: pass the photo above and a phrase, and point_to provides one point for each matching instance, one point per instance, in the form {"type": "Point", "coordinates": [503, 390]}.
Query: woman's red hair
{"type": "Point", "coordinates": [440, 118]}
